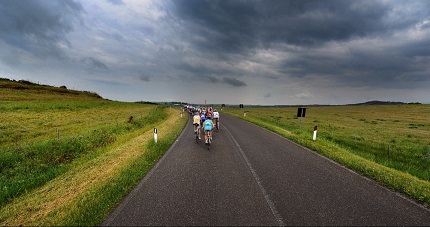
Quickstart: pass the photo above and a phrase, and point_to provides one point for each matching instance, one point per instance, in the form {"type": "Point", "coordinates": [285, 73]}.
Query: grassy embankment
{"type": "Point", "coordinates": [388, 143]}
{"type": "Point", "coordinates": [68, 157]}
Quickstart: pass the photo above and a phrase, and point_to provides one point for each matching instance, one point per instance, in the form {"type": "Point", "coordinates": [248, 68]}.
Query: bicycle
{"type": "Point", "coordinates": [208, 144]}
{"type": "Point", "coordinates": [196, 134]}
{"type": "Point", "coordinates": [216, 123]}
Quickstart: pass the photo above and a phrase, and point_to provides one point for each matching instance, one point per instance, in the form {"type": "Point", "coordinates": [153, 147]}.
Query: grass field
{"type": "Point", "coordinates": [67, 157]}
{"type": "Point", "coordinates": [389, 143]}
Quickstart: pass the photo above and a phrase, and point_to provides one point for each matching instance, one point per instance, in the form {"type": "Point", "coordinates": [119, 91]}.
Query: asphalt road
{"type": "Point", "coordinates": [253, 177]}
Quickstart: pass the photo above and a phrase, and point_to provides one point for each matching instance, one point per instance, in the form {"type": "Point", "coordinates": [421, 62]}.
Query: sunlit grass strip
{"type": "Point", "coordinates": [407, 184]}
{"type": "Point", "coordinates": [93, 186]}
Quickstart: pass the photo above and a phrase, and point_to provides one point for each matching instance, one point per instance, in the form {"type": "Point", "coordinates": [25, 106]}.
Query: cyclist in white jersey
{"type": "Point", "coordinates": [196, 123]}
{"type": "Point", "coordinates": [216, 118]}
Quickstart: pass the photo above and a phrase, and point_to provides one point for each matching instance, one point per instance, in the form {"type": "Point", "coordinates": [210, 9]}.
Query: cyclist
{"type": "Point", "coordinates": [216, 118]}
{"type": "Point", "coordinates": [210, 111]}
{"type": "Point", "coordinates": [202, 117]}
{"type": "Point", "coordinates": [208, 125]}
{"type": "Point", "coordinates": [196, 123]}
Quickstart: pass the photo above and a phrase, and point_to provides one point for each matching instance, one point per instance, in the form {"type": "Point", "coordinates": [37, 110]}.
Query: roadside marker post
{"type": "Point", "coordinates": [155, 135]}
{"type": "Point", "coordinates": [315, 132]}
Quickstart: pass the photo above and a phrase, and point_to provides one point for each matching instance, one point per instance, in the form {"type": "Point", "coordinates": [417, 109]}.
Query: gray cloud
{"type": "Point", "coordinates": [234, 31]}
{"type": "Point", "coordinates": [211, 79]}
{"type": "Point", "coordinates": [231, 26]}
{"type": "Point", "coordinates": [145, 77]}
{"type": "Point", "coordinates": [93, 65]}
{"type": "Point", "coordinates": [220, 26]}
{"type": "Point", "coordinates": [224, 80]}
{"type": "Point", "coordinates": [115, 2]}
{"type": "Point", "coordinates": [39, 27]}
{"type": "Point", "coordinates": [296, 50]}
{"type": "Point", "coordinates": [233, 82]}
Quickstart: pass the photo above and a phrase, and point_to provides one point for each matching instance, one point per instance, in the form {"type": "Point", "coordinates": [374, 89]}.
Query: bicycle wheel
{"type": "Point", "coordinates": [209, 142]}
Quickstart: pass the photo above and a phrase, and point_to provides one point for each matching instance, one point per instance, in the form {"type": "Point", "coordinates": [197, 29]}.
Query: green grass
{"type": "Point", "coordinates": [94, 208]}
{"type": "Point", "coordinates": [25, 167]}
{"type": "Point", "coordinates": [53, 143]}
{"type": "Point", "coordinates": [377, 141]}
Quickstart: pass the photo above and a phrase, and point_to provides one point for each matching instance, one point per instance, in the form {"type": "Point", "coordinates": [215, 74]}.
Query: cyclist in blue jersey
{"type": "Point", "coordinates": [207, 126]}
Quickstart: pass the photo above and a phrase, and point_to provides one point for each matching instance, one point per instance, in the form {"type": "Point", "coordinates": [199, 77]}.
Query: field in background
{"type": "Point", "coordinates": [55, 138]}
{"type": "Point", "coordinates": [394, 136]}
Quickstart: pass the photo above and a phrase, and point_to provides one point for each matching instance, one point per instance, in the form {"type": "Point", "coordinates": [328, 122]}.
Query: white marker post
{"type": "Point", "coordinates": [155, 135]}
{"type": "Point", "coordinates": [244, 113]}
{"type": "Point", "coordinates": [315, 132]}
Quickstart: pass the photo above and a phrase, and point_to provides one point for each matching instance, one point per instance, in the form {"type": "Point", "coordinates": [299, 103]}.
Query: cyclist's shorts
{"type": "Point", "coordinates": [208, 128]}
{"type": "Point", "coordinates": [197, 124]}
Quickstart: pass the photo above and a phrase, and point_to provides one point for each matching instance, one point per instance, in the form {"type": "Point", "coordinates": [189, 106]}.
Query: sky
{"type": "Point", "coordinates": [262, 52]}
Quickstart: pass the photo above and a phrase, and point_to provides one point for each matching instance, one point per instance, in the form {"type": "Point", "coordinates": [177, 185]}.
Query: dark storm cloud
{"type": "Point", "coordinates": [315, 22]}
{"type": "Point", "coordinates": [93, 65]}
{"type": "Point", "coordinates": [389, 67]}
{"type": "Point", "coordinates": [219, 25]}
{"type": "Point", "coordinates": [38, 26]}
{"type": "Point", "coordinates": [239, 25]}
{"type": "Point", "coordinates": [266, 50]}
{"type": "Point", "coordinates": [211, 79]}
{"type": "Point", "coordinates": [233, 82]}
{"type": "Point", "coordinates": [224, 80]}
{"type": "Point", "coordinates": [234, 30]}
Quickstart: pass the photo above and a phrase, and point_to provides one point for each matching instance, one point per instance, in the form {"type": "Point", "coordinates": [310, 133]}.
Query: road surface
{"type": "Point", "coordinates": [253, 177]}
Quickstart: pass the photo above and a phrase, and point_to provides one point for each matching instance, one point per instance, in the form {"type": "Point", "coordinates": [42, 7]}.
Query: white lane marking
{"type": "Point", "coordinates": [257, 179]}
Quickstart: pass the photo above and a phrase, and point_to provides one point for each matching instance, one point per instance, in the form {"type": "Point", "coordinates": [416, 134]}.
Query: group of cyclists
{"type": "Point", "coordinates": [205, 119]}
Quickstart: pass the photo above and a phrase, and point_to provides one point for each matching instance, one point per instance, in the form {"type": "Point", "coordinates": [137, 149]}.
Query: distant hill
{"type": "Point", "coordinates": [30, 86]}
{"type": "Point", "coordinates": [376, 102]}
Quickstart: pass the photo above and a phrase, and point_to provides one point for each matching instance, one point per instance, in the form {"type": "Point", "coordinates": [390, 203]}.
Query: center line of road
{"type": "Point", "coordinates": [257, 179]}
